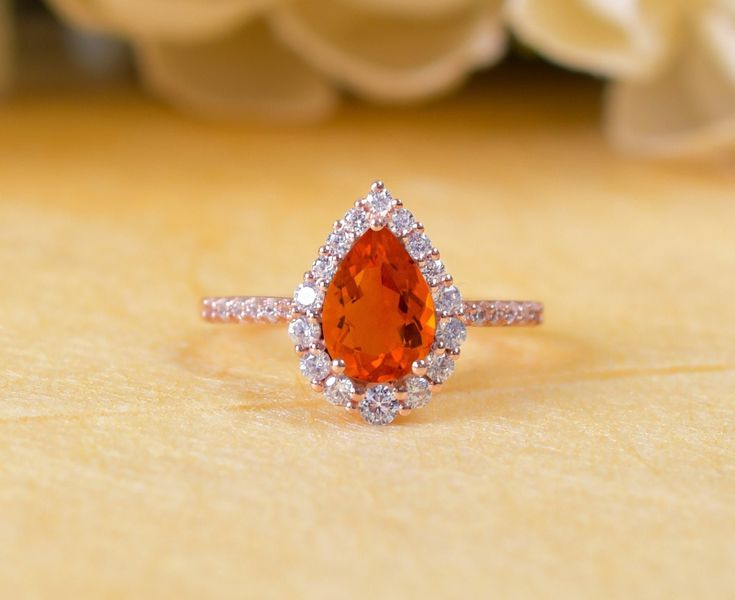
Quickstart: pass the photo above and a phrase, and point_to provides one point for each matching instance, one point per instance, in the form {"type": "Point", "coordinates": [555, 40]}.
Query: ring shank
{"type": "Point", "coordinates": [278, 309]}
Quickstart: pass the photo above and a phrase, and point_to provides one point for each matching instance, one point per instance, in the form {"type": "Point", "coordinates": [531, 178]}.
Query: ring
{"type": "Point", "coordinates": [377, 322]}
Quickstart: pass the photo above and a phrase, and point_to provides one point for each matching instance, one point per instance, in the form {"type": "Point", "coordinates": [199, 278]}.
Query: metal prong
{"type": "Point", "coordinates": [377, 186]}
{"type": "Point", "coordinates": [404, 412]}
{"type": "Point", "coordinates": [454, 353]}
{"type": "Point", "coordinates": [447, 280]}
{"type": "Point", "coordinates": [317, 386]}
{"type": "Point", "coordinates": [338, 366]}
{"type": "Point", "coordinates": [377, 224]}
{"type": "Point", "coordinates": [419, 368]}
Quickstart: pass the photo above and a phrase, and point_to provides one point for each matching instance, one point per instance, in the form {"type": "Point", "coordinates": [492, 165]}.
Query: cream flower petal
{"type": "Point", "coordinates": [168, 19]}
{"type": "Point", "coordinates": [244, 73]}
{"type": "Point", "coordinates": [690, 107]}
{"type": "Point", "coordinates": [6, 46]}
{"type": "Point", "coordinates": [411, 8]}
{"type": "Point", "coordinates": [624, 38]}
{"type": "Point", "coordinates": [388, 58]}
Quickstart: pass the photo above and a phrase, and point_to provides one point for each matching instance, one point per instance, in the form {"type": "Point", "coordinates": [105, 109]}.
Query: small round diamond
{"type": "Point", "coordinates": [339, 389]}
{"type": "Point", "coordinates": [324, 267]}
{"type": "Point", "coordinates": [439, 367]}
{"type": "Point", "coordinates": [451, 334]}
{"type": "Point", "coordinates": [379, 406]}
{"type": "Point", "coordinates": [401, 222]}
{"type": "Point", "coordinates": [269, 310]}
{"type": "Point", "coordinates": [356, 221]}
{"type": "Point", "coordinates": [339, 242]}
{"type": "Point", "coordinates": [303, 332]}
{"type": "Point", "coordinates": [379, 203]}
{"type": "Point", "coordinates": [249, 309]}
{"type": "Point", "coordinates": [307, 295]}
{"type": "Point", "coordinates": [315, 366]}
{"type": "Point", "coordinates": [418, 245]}
{"type": "Point", "coordinates": [419, 392]}
{"type": "Point", "coordinates": [235, 308]}
{"type": "Point", "coordinates": [448, 300]}
{"type": "Point", "coordinates": [433, 271]}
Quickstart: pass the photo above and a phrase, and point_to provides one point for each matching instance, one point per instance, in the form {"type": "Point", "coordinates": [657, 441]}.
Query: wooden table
{"type": "Point", "coordinates": [147, 454]}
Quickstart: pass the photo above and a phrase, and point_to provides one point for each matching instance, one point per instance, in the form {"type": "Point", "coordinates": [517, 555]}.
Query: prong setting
{"type": "Point", "coordinates": [379, 403]}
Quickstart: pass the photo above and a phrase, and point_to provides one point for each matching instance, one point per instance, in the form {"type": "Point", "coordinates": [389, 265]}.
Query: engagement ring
{"type": "Point", "coordinates": [377, 322]}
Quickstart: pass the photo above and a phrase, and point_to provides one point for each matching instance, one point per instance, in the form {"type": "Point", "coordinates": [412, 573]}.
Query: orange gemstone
{"type": "Point", "coordinates": [378, 314]}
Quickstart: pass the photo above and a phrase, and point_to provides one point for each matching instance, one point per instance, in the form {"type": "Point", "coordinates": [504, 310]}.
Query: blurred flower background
{"type": "Point", "coordinates": [670, 63]}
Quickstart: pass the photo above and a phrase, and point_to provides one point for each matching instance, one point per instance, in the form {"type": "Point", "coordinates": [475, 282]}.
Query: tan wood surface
{"type": "Point", "coordinates": [146, 454]}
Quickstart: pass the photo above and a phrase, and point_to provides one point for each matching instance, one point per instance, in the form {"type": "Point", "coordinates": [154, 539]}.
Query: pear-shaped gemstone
{"type": "Point", "coordinates": [378, 313]}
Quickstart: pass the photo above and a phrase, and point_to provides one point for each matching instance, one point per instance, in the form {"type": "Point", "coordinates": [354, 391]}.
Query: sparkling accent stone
{"type": "Point", "coordinates": [307, 296]}
{"type": "Point", "coordinates": [378, 314]}
{"type": "Point", "coordinates": [439, 367]}
{"type": "Point", "coordinates": [234, 308]}
{"type": "Point", "coordinates": [434, 271]}
{"type": "Point", "coordinates": [502, 313]}
{"type": "Point", "coordinates": [451, 333]}
{"type": "Point", "coordinates": [339, 242]}
{"type": "Point", "coordinates": [401, 222]}
{"type": "Point", "coordinates": [356, 221]}
{"type": "Point", "coordinates": [379, 203]}
{"type": "Point", "coordinates": [315, 366]}
{"type": "Point", "coordinates": [268, 310]}
{"type": "Point", "coordinates": [304, 332]}
{"type": "Point", "coordinates": [448, 300]}
{"type": "Point", "coordinates": [419, 392]}
{"type": "Point", "coordinates": [324, 267]}
{"type": "Point", "coordinates": [249, 309]}
{"type": "Point", "coordinates": [338, 389]}
{"type": "Point", "coordinates": [264, 309]}
{"type": "Point", "coordinates": [379, 406]}
{"type": "Point", "coordinates": [418, 245]}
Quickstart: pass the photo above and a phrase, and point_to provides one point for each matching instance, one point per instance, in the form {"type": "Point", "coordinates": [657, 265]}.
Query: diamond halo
{"type": "Point", "coordinates": [378, 403]}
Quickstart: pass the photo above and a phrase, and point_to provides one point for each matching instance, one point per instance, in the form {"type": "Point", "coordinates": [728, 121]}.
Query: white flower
{"type": "Point", "coordinates": [286, 58]}
{"type": "Point", "coordinates": [673, 62]}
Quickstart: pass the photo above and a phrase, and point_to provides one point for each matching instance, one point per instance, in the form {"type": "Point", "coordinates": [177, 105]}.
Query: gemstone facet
{"type": "Point", "coordinates": [315, 366]}
{"type": "Point", "coordinates": [304, 332]}
{"type": "Point", "coordinates": [418, 392]}
{"type": "Point", "coordinates": [379, 406]}
{"type": "Point", "coordinates": [378, 314]}
{"type": "Point", "coordinates": [338, 389]}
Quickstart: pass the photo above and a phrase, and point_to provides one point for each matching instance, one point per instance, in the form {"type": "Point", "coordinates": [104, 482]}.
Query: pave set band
{"type": "Point", "coordinates": [278, 309]}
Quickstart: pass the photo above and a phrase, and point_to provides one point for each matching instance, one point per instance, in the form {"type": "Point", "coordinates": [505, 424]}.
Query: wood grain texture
{"type": "Point", "coordinates": [146, 454]}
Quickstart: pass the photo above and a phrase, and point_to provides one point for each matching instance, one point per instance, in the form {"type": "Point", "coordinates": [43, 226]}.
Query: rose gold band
{"type": "Point", "coordinates": [275, 309]}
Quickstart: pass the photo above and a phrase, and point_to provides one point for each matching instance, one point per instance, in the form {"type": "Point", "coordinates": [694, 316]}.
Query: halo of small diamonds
{"type": "Point", "coordinates": [379, 404]}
